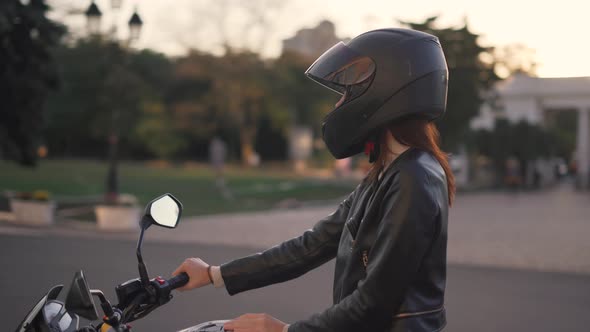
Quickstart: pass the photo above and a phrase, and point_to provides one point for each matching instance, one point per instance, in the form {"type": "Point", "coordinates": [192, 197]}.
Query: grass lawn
{"type": "Point", "coordinates": [253, 189]}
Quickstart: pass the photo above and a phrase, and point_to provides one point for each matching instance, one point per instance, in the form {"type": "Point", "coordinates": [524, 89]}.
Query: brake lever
{"type": "Point", "coordinates": [137, 309]}
{"type": "Point", "coordinates": [129, 312]}
{"type": "Point", "coordinates": [144, 312]}
{"type": "Point", "coordinates": [156, 294]}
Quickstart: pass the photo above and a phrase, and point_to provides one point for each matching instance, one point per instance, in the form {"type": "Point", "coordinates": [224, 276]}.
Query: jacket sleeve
{"type": "Point", "coordinates": [404, 235]}
{"type": "Point", "coordinates": [289, 259]}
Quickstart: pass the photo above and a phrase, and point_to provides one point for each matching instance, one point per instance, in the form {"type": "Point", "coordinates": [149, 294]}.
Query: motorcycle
{"type": "Point", "coordinates": [136, 297]}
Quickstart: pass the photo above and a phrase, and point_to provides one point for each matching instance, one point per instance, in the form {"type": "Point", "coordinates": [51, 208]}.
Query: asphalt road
{"type": "Point", "coordinates": [478, 299]}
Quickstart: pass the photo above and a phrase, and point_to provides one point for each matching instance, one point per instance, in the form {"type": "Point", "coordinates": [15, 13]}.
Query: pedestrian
{"type": "Point", "coordinates": [389, 236]}
{"type": "Point", "coordinates": [513, 178]}
{"type": "Point", "coordinates": [537, 177]}
{"type": "Point", "coordinates": [217, 154]}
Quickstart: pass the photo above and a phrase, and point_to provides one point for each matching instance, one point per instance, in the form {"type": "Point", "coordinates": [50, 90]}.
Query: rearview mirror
{"type": "Point", "coordinates": [164, 211]}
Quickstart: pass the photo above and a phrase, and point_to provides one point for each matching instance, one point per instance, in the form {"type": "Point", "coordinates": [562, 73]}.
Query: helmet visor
{"type": "Point", "coordinates": [340, 68]}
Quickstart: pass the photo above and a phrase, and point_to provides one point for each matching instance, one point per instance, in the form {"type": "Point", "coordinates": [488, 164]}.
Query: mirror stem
{"type": "Point", "coordinates": [143, 274]}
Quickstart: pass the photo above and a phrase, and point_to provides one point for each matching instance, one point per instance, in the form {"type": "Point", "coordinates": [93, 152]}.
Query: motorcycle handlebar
{"type": "Point", "coordinates": [178, 281]}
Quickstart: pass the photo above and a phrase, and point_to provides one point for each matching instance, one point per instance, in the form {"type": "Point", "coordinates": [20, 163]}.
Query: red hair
{"type": "Point", "coordinates": [418, 133]}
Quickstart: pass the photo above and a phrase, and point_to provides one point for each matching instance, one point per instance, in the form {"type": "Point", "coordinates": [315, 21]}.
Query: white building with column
{"type": "Point", "coordinates": [522, 97]}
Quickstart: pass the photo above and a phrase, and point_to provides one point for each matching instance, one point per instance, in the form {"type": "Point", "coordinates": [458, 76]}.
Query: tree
{"type": "Point", "coordinates": [470, 77]}
{"type": "Point", "coordinates": [239, 93]}
{"type": "Point", "coordinates": [239, 30]}
{"type": "Point", "coordinates": [233, 25]}
{"type": "Point", "coordinates": [523, 141]}
{"type": "Point", "coordinates": [101, 100]}
{"type": "Point", "coordinates": [514, 58]}
{"type": "Point", "coordinates": [242, 88]}
{"type": "Point", "coordinates": [564, 126]}
{"type": "Point", "coordinates": [157, 133]}
{"type": "Point", "coordinates": [306, 101]}
{"type": "Point", "coordinates": [102, 95]}
{"type": "Point", "coordinates": [27, 74]}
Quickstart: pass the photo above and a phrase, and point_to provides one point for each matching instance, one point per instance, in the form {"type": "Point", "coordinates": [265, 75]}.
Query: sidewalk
{"type": "Point", "coordinates": [546, 231]}
{"type": "Point", "coordinates": [541, 231]}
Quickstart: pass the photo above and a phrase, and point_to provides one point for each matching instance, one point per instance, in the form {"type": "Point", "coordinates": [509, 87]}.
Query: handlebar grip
{"type": "Point", "coordinates": [178, 281]}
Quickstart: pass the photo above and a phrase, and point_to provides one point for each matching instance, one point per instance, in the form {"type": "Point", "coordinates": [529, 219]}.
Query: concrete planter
{"type": "Point", "coordinates": [117, 218]}
{"type": "Point", "coordinates": [37, 213]}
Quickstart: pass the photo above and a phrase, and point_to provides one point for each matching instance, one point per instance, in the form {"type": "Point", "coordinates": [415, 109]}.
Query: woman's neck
{"type": "Point", "coordinates": [394, 149]}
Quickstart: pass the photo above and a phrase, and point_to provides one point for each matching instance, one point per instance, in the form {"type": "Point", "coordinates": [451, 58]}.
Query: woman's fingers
{"type": "Point", "coordinates": [196, 269]}
{"type": "Point", "coordinates": [255, 323]}
{"type": "Point", "coordinates": [178, 270]}
{"type": "Point", "coordinates": [244, 321]}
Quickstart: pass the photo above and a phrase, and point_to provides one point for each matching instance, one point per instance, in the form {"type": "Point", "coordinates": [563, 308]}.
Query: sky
{"type": "Point", "coordinates": [557, 31]}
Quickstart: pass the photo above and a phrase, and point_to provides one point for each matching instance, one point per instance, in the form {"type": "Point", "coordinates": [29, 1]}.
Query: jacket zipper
{"type": "Point", "coordinates": [352, 229]}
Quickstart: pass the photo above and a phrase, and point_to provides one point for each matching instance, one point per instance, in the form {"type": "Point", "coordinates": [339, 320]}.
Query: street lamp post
{"type": "Point", "coordinates": [135, 24]}
{"type": "Point", "coordinates": [93, 16]}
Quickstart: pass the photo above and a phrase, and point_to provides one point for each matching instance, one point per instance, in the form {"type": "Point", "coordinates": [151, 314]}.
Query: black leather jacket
{"type": "Point", "coordinates": [389, 240]}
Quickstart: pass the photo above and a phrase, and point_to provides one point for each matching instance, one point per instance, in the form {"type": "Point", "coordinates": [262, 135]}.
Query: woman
{"type": "Point", "coordinates": [389, 236]}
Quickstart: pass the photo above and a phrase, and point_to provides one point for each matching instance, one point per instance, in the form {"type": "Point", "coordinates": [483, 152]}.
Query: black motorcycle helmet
{"type": "Point", "coordinates": [384, 75]}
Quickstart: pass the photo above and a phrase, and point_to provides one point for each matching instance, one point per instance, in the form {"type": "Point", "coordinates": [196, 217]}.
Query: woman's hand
{"type": "Point", "coordinates": [255, 323]}
{"type": "Point", "coordinates": [197, 273]}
